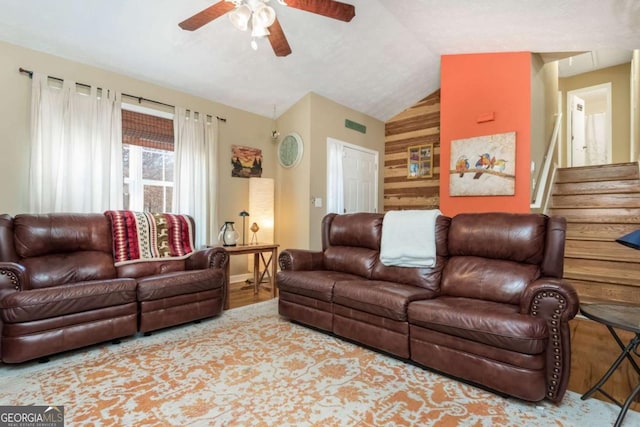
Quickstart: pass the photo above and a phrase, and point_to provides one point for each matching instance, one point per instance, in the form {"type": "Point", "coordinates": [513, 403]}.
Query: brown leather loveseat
{"type": "Point", "coordinates": [60, 290]}
{"type": "Point", "coordinates": [493, 311]}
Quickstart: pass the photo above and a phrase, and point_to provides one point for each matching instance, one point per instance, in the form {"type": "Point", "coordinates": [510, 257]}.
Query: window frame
{"type": "Point", "coordinates": [135, 181]}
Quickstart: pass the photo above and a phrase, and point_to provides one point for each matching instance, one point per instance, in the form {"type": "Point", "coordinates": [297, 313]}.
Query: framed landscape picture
{"type": "Point", "coordinates": [246, 162]}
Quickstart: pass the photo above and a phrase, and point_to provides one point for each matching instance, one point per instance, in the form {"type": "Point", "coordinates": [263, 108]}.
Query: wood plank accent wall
{"type": "Point", "coordinates": [419, 124]}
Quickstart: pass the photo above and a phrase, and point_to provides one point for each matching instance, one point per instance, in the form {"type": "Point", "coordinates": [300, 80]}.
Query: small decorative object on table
{"type": "Point", "coordinates": [228, 235]}
{"type": "Point", "coordinates": [254, 228]}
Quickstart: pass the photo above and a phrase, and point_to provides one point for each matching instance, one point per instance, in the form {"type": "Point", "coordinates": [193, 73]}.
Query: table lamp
{"type": "Point", "coordinates": [243, 214]}
{"type": "Point", "coordinates": [631, 240]}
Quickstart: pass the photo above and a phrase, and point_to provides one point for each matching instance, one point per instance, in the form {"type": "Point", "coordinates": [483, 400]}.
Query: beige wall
{"type": "Point", "coordinates": [316, 118]}
{"type": "Point", "coordinates": [620, 78]}
{"type": "Point", "coordinates": [292, 184]}
{"type": "Point", "coordinates": [328, 120]}
{"type": "Point", "coordinates": [241, 128]}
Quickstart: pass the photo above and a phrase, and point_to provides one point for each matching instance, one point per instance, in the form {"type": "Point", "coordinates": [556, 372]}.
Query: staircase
{"type": "Point", "coordinates": [600, 203]}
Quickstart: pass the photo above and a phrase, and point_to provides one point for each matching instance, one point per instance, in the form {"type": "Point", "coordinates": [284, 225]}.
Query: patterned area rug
{"type": "Point", "coordinates": [249, 367]}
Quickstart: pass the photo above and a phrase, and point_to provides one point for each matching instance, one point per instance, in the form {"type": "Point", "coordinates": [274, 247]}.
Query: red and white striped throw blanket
{"type": "Point", "coordinates": [145, 236]}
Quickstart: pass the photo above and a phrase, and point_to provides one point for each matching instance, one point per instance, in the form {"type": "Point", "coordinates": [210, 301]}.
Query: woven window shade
{"type": "Point", "coordinates": [147, 131]}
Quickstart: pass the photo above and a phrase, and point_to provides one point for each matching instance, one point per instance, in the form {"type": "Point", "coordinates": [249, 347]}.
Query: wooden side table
{"type": "Point", "coordinates": [620, 316]}
{"type": "Point", "coordinates": [258, 251]}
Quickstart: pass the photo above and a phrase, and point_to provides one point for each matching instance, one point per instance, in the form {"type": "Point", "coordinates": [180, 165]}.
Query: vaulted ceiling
{"type": "Point", "coordinates": [383, 61]}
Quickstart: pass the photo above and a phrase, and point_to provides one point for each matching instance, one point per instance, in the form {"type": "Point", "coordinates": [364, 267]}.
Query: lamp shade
{"type": "Point", "coordinates": [240, 17]}
{"type": "Point", "coordinates": [261, 207]}
{"type": "Point", "coordinates": [631, 240]}
{"type": "Point", "coordinates": [264, 15]}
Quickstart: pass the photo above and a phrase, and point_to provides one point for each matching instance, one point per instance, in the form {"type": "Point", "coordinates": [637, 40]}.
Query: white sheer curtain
{"type": "Point", "coordinates": [335, 179]}
{"type": "Point", "coordinates": [195, 186]}
{"type": "Point", "coordinates": [76, 149]}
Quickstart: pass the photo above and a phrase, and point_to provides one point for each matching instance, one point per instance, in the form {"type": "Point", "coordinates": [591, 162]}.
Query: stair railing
{"type": "Point", "coordinates": [543, 178]}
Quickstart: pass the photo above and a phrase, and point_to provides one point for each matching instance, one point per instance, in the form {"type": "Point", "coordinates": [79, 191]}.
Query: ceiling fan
{"type": "Point", "coordinates": [262, 20]}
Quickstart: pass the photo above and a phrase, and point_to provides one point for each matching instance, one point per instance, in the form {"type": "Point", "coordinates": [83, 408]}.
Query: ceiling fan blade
{"type": "Point", "coordinates": [329, 8]}
{"type": "Point", "coordinates": [207, 15]}
{"type": "Point", "coordinates": [278, 40]}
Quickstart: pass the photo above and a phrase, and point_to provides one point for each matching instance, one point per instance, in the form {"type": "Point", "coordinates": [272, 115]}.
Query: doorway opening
{"type": "Point", "coordinates": [589, 126]}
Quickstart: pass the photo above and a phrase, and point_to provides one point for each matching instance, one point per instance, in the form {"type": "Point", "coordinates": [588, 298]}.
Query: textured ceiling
{"type": "Point", "coordinates": [383, 61]}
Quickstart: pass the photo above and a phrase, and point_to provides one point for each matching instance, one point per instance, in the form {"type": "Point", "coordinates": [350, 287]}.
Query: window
{"type": "Point", "coordinates": [148, 161]}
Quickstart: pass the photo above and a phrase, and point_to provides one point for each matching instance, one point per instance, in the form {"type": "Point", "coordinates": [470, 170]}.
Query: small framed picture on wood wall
{"type": "Point", "coordinates": [420, 161]}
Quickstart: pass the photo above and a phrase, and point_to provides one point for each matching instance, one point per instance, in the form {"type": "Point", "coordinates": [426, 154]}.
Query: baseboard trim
{"type": "Point", "coordinates": [240, 277]}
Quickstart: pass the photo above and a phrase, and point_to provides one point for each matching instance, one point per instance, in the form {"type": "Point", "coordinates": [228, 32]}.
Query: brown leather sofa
{"type": "Point", "coordinates": [59, 289]}
{"type": "Point", "coordinates": [493, 311]}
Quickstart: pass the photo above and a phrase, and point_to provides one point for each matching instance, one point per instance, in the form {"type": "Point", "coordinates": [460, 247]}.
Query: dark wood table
{"type": "Point", "coordinates": [621, 316]}
{"type": "Point", "coordinates": [270, 265]}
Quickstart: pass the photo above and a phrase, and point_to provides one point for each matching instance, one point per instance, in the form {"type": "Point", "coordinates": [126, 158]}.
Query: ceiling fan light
{"type": "Point", "coordinates": [264, 14]}
{"type": "Point", "coordinates": [240, 17]}
{"type": "Point", "coordinates": [259, 32]}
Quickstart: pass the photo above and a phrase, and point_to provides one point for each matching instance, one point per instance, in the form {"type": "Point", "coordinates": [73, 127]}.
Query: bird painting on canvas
{"type": "Point", "coordinates": [484, 162]}
{"type": "Point", "coordinates": [462, 165]}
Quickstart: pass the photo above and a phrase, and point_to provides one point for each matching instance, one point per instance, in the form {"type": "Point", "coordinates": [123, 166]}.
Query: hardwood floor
{"type": "Point", "coordinates": [241, 294]}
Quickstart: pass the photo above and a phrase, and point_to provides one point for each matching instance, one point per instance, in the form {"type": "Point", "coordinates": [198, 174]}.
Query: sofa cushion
{"type": "Point", "coordinates": [179, 283]}
{"type": "Point", "coordinates": [363, 230]}
{"type": "Point", "coordinates": [352, 260]}
{"type": "Point", "coordinates": [59, 269]}
{"type": "Point", "coordinates": [486, 322]}
{"type": "Point", "coordinates": [499, 235]}
{"type": "Point", "coordinates": [313, 284]}
{"type": "Point", "coordinates": [386, 299]}
{"type": "Point", "coordinates": [62, 248]}
{"type": "Point", "coordinates": [487, 279]}
{"type": "Point", "coordinates": [43, 234]}
{"type": "Point", "coordinates": [150, 268]}
{"type": "Point", "coordinates": [63, 300]}
{"type": "Point", "coordinates": [426, 277]}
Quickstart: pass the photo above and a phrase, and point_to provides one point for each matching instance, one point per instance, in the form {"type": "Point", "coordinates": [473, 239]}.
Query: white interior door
{"type": "Point", "coordinates": [577, 137]}
{"type": "Point", "coordinates": [589, 127]}
{"type": "Point", "coordinates": [360, 172]}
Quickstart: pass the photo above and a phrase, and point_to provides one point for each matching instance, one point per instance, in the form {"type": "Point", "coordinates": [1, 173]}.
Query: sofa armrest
{"type": "Point", "coordinates": [215, 257]}
{"type": "Point", "coordinates": [550, 298]}
{"type": "Point", "coordinates": [557, 302]}
{"type": "Point", "coordinates": [13, 277]}
{"type": "Point", "coordinates": [300, 259]}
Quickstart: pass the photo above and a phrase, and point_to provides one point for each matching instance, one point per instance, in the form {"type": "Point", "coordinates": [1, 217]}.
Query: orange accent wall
{"type": "Point", "coordinates": [485, 94]}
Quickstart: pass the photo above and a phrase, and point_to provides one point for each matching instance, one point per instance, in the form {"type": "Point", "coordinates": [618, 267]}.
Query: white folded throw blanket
{"type": "Point", "coordinates": [409, 238]}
